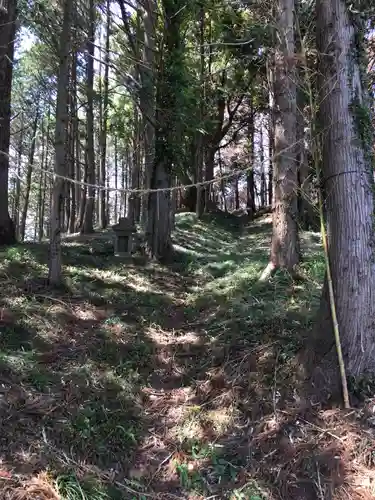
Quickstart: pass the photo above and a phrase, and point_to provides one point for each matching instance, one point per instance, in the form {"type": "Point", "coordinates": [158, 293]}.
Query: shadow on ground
{"type": "Point", "coordinates": [146, 381]}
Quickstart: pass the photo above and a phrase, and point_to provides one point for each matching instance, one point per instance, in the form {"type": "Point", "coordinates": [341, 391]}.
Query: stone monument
{"type": "Point", "coordinates": [124, 231]}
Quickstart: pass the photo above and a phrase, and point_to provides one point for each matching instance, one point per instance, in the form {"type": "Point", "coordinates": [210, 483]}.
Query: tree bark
{"type": "Point", "coordinates": [158, 233]}
{"type": "Point", "coordinates": [17, 199]}
{"type": "Point", "coordinates": [107, 202]}
{"type": "Point", "coordinates": [250, 183]}
{"type": "Point", "coordinates": [42, 175]}
{"type": "Point", "coordinates": [136, 173]}
{"type": "Point", "coordinates": [270, 161]}
{"type": "Point", "coordinates": [116, 178]}
{"type": "Point", "coordinates": [306, 217]}
{"type": "Point", "coordinates": [263, 185]}
{"type": "Point", "coordinates": [348, 178]}
{"type": "Point", "coordinates": [78, 189]}
{"type": "Point", "coordinates": [285, 245]}
{"type": "Point", "coordinates": [42, 209]}
{"type": "Point", "coordinates": [7, 35]}
{"type": "Point", "coordinates": [236, 195]}
{"type": "Point", "coordinates": [60, 147]}
{"type": "Point", "coordinates": [73, 153]}
{"type": "Point", "coordinates": [82, 193]}
{"type": "Point", "coordinates": [305, 212]}
{"type": "Point", "coordinates": [41, 202]}
{"type": "Point", "coordinates": [210, 153]}
{"type": "Point", "coordinates": [45, 165]}
{"type": "Point", "coordinates": [134, 200]}
{"type": "Point", "coordinates": [29, 173]}
{"type": "Point", "coordinates": [159, 243]}
{"type": "Point", "coordinates": [103, 136]}
{"type": "Point", "coordinates": [124, 184]}
{"type": "Point", "coordinates": [222, 183]}
{"type": "Point", "coordinates": [147, 96]}
{"type": "Point", "coordinates": [88, 218]}
{"type": "Point", "coordinates": [173, 205]}
{"type": "Point", "coordinates": [200, 150]}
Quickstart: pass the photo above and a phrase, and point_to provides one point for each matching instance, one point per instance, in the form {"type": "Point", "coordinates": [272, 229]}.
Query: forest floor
{"type": "Point", "coordinates": [140, 381]}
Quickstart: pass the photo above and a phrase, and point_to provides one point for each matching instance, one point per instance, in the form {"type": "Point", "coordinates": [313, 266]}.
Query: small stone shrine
{"type": "Point", "coordinates": [124, 231]}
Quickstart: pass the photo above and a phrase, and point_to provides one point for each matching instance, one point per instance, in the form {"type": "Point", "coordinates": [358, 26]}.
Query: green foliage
{"type": "Point", "coordinates": [70, 487]}
{"type": "Point", "coordinates": [110, 430]}
{"type": "Point", "coordinates": [249, 492]}
{"type": "Point", "coordinates": [190, 480]}
{"type": "Point", "coordinates": [363, 125]}
{"type": "Point", "coordinates": [95, 355]}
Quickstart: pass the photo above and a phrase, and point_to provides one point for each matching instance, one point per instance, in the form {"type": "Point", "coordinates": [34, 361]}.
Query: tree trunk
{"type": "Point", "coordinates": [158, 234]}
{"type": "Point", "coordinates": [73, 153]}
{"type": "Point", "coordinates": [173, 205]}
{"type": "Point", "coordinates": [69, 164]}
{"type": "Point", "coordinates": [107, 202]}
{"type": "Point", "coordinates": [210, 162]}
{"type": "Point", "coordinates": [285, 247]}
{"type": "Point", "coordinates": [200, 153]}
{"type": "Point", "coordinates": [348, 178]}
{"type": "Point", "coordinates": [270, 161]}
{"type": "Point", "coordinates": [116, 178]}
{"type": "Point", "coordinates": [124, 185]}
{"type": "Point", "coordinates": [17, 199]}
{"type": "Point", "coordinates": [305, 208]}
{"type": "Point", "coordinates": [29, 175]}
{"type": "Point", "coordinates": [263, 186]}
{"type": "Point", "coordinates": [60, 146]}
{"type": "Point", "coordinates": [159, 243]}
{"type": "Point", "coordinates": [83, 192]}
{"type": "Point", "coordinates": [250, 184]}
{"type": "Point", "coordinates": [134, 200]}
{"type": "Point", "coordinates": [45, 165]}
{"type": "Point", "coordinates": [147, 97]}
{"type": "Point", "coordinates": [88, 219]}
{"type": "Point", "coordinates": [222, 183]}
{"type": "Point", "coordinates": [50, 193]}
{"type": "Point", "coordinates": [82, 206]}
{"type": "Point", "coordinates": [305, 215]}
{"type": "Point", "coordinates": [7, 36]}
{"type": "Point", "coordinates": [78, 189]}
{"type": "Point", "coordinates": [236, 195]}
{"type": "Point", "coordinates": [42, 175]}
{"type": "Point", "coordinates": [103, 136]}
{"type": "Point", "coordinates": [42, 201]}
{"type": "Point", "coordinates": [98, 143]}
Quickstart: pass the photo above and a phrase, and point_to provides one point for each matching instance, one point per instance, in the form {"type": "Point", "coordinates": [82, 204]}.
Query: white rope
{"type": "Point", "coordinates": [140, 192]}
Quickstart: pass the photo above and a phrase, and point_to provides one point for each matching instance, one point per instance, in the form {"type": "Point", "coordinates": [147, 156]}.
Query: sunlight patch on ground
{"type": "Point", "coordinates": [174, 378]}
{"type": "Point", "coordinates": [188, 251]}
{"type": "Point", "coordinates": [164, 337]}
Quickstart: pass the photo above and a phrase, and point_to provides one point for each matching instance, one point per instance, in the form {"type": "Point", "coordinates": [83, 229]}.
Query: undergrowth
{"type": "Point", "coordinates": [140, 381]}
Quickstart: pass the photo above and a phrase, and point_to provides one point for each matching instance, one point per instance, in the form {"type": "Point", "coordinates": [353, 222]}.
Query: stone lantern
{"type": "Point", "coordinates": [124, 231]}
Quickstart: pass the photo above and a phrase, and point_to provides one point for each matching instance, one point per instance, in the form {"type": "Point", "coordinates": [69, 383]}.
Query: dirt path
{"type": "Point", "coordinates": [139, 381]}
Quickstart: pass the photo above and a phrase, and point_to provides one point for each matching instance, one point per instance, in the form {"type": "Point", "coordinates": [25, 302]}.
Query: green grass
{"type": "Point", "coordinates": [146, 376]}
{"type": "Point", "coordinates": [70, 487]}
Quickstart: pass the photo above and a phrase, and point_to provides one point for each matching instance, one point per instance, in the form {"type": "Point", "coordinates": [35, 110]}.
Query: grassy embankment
{"type": "Point", "coordinates": [144, 381]}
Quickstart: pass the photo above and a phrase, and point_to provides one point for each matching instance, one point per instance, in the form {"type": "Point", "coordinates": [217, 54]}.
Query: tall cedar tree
{"type": "Point", "coordinates": [347, 177]}
{"type": "Point", "coordinates": [158, 232]}
{"type": "Point", "coordinates": [284, 248]}
{"type": "Point", "coordinates": [88, 219]}
{"type": "Point", "coordinates": [8, 12]}
{"type": "Point", "coordinates": [60, 146]}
